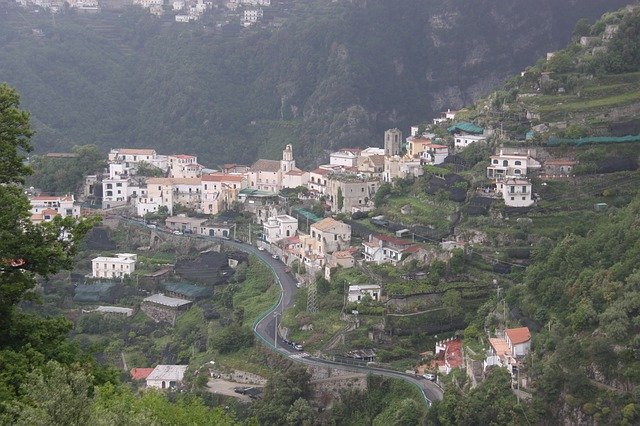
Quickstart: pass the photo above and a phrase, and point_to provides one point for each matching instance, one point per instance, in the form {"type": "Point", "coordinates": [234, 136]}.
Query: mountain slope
{"type": "Point", "coordinates": [337, 74]}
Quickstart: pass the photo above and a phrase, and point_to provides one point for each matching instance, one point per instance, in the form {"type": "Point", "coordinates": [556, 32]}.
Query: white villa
{"type": "Point", "coordinates": [113, 267]}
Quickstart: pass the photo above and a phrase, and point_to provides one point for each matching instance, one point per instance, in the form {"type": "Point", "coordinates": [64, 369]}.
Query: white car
{"type": "Point", "coordinates": [298, 347]}
{"type": "Point", "coordinates": [275, 256]}
{"type": "Point", "coordinates": [261, 248]}
{"type": "Point", "coordinates": [429, 376]}
{"type": "Point", "coordinates": [176, 232]}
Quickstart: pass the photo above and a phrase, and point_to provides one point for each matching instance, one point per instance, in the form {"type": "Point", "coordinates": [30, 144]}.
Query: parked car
{"type": "Point", "coordinates": [429, 376]}
{"type": "Point", "coordinates": [176, 232]}
{"type": "Point", "coordinates": [151, 225]}
{"type": "Point", "coordinates": [298, 347]}
{"type": "Point", "coordinates": [261, 248]}
{"type": "Point", "coordinates": [275, 256]}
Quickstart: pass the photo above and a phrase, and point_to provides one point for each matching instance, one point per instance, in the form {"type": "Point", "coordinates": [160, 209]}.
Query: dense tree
{"type": "Point", "coordinates": [27, 250]}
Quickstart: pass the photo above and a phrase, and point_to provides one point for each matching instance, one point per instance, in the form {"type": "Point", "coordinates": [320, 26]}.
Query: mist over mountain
{"type": "Point", "coordinates": [335, 74]}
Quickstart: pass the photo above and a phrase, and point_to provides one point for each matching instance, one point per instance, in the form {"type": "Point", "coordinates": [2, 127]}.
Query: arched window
{"type": "Point", "coordinates": [517, 171]}
{"type": "Point", "coordinates": [505, 163]}
{"type": "Point", "coordinates": [518, 163]}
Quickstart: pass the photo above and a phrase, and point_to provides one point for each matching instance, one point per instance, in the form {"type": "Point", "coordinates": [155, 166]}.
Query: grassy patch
{"type": "Point", "coordinates": [257, 293]}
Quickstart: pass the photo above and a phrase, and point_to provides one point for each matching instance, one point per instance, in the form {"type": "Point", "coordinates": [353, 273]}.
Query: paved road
{"type": "Point", "coordinates": [264, 328]}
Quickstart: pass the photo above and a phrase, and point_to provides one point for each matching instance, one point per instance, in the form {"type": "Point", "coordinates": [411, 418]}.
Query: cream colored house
{"type": "Point", "coordinates": [121, 265]}
{"type": "Point", "coordinates": [219, 191]}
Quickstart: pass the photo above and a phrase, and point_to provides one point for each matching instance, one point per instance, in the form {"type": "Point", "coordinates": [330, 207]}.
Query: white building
{"type": "Point", "coordinates": [279, 227]}
{"type": "Point", "coordinates": [272, 175]}
{"type": "Point", "coordinates": [511, 164]}
{"type": "Point", "coordinates": [115, 191]}
{"type": "Point", "coordinates": [178, 5]}
{"type": "Point", "coordinates": [219, 191]}
{"type": "Point", "coordinates": [63, 206]}
{"type": "Point", "coordinates": [396, 167]}
{"type": "Point", "coordinates": [183, 166]}
{"type": "Point", "coordinates": [251, 16]}
{"type": "Point", "coordinates": [166, 376]}
{"type": "Point", "coordinates": [347, 157]}
{"type": "Point", "coordinates": [114, 267]}
{"type": "Point", "coordinates": [515, 192]}
{"type": "Point", "coordinates": [462, 141]}
{"type": "Point", "coordinates": [434, 154]}
{"type": "Point", "coordinates": [385, 249]}
{"type": "Point", "coordinates": [359, 292]}
{"type": "Point", "coordinates": [518, 340]}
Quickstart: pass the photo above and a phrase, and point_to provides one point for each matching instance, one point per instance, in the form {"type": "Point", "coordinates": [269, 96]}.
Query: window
{"type": "Point", "coordinates": [109, 186]}
{"type": "Point", "coordinates": [119, 184]}
{"type": "Point", "coordinates": [505, 163]}
{"type": "Point", "coordinates": [518, 163]}
{"type": "Point", "coordinates": [512, 189]}
{"type": "Point", "coordinates": [512, 198]}
{"type": "Point", "coordinates": [205, 186]}
{"type": "Point", "coordinates": [517, 171]}
{"type": "Point", "coordinates": [524, 189]}
{"type": "Point", "coordinates": [524, 198]}
{"type": "Point", "coordinates": [495, 161]}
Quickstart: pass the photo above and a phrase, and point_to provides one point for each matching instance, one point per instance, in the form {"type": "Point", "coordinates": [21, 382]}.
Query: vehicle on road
{"type": "Point", "coordinates": [176, 232]}
{"type": "Point", "coordinates": [298, 284]}
{"type": "Point", "coordinates": [298, 347]}
{"type": "Point", "coordinates": [429, 376]}
{"type": "Point", "coordinates": [261, 248]}
{"type": "Point", "coordinates": [151, 225]}
{"type": "Point", "coordinates": [275, 256]}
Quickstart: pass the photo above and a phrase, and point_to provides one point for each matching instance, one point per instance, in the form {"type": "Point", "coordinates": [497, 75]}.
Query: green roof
{"type": "Point", "coordinates": [257, 193]}
{"type": "Point", "coordinates": [189, 291]}
{"type": "Point", "coordinates": [466, 127]}
{"type": "Point", "coordinates": [307, 215]}
{"type": "Point", "coordinates": [93, 292]}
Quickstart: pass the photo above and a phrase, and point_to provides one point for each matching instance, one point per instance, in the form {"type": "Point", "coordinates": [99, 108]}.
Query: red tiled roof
{"type": "Point", "coordinates": [266, 166]}
{"type": "Point", "coordinates": [393, 240]}
{"type": "Point", "coordinates": [222, 177]}
{"type": "Point", "coordinates": [321, 171]}
{"type": "Point", "coordinates": [140, 373]}
{"type": "Point", "coordinates": [518, 335]}
{"type": "Point", "coordinates": [183, 156]}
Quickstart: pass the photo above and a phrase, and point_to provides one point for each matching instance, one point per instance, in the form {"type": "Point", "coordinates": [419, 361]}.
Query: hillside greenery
{"type": "Point", "coordinates": [125, 79]}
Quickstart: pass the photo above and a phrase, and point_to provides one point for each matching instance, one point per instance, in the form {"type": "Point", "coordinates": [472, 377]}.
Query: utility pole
{"type": "Point", "coordinates": [249, 233]}
{"type": "Point", "coordinates": [275, 330]}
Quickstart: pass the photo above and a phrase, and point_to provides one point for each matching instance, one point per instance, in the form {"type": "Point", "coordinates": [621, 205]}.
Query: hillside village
{"type": "Point", "coordinates": [177, 195]}
{"type": "Point", "coordinates": [396, 248]}
{"type": "Point", "coordinates": [227, 15]}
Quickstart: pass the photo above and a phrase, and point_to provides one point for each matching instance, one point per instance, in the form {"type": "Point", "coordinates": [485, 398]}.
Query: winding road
{"type": "Point", "coordinates": [265, 329]}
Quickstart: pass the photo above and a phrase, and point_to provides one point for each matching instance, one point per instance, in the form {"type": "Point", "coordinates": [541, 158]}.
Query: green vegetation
{"type": "Point", "coordinates": [119, 78]}
{"type": "Point", "coordinates": [65, 175]}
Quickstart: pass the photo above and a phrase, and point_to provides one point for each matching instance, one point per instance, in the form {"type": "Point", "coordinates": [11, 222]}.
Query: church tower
{"type": "Point", "coordinates": [392, 142]}
{"type": "Point", "coordinates": [287, 163]}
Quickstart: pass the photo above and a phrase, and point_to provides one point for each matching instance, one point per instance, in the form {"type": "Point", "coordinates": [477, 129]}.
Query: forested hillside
{"type": "Point", "coordinates": [336, 74]}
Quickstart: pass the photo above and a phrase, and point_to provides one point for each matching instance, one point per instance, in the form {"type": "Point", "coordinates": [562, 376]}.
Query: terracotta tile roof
{"type": "Point", "coordinates": [321, 171]}
{"type": "Point", "coordinates": [222, 177]}
{"type": "Point", "coordinates": [518, 335]}
{"type": "Point", "coordinates": [136, 151]}
{"type": "Point", "coordinates": [326, 224]}
{"type": "Point", "coordinates": [393, 240]}
{"type": "Point", "coordinates": [183, 156]}
{"type": "Point", "coordinates": [266, 166]}
{"type": "Point", "coordinates": [49, 212]}
{"type": "Point", "coordinates": [295, 172]}
{"type": "Point", "coordinates": [140, 373]}
{"type": "Point", "coordinates": [500, 346]}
